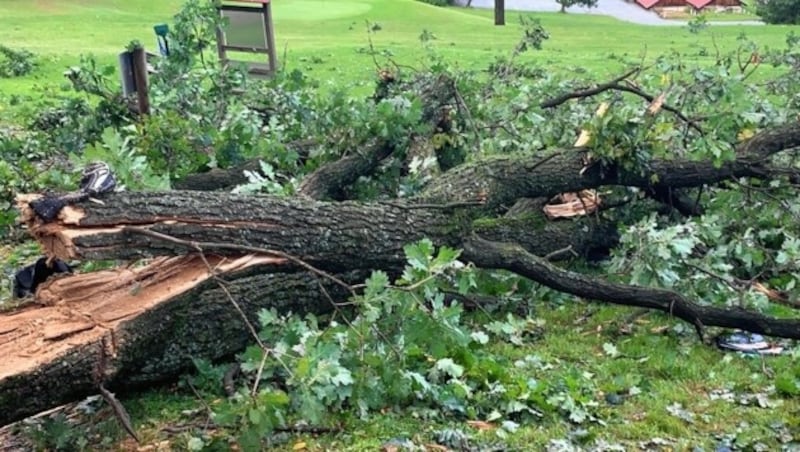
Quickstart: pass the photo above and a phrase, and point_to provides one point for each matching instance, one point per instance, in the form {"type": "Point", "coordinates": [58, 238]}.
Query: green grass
{"type": "Point", "coordinates": [326, 38]}
{"type": "Point", "coordinates": [668, 367]}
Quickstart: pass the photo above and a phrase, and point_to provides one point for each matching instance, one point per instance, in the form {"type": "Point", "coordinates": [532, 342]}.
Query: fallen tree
{"type": "Point", "coordinates": [212, 259]}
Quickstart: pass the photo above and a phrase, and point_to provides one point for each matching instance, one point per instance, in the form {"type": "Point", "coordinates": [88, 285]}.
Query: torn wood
{"type": "Point", "coordinates": [133, 327]}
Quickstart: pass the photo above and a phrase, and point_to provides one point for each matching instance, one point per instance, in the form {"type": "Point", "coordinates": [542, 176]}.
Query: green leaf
{"type": "Point", "coordinates": [255, 416]}
{"type": "Point", "coordinates": [610, 350]}
{"type": "Point", "coordinates": [480, 337]}
{"type": "Point", "coordinates": [683, 246]}
{"type": "Point", "coordinates": [418, 255]}
{"type": "Point", "coordinates": [445, 257]}
{"type": "Point", "coordinates": [267, 317]}
{"type": "Point", "coordinates": [449, 367]}
{"type": "Point", "coordinates": [376, 284]}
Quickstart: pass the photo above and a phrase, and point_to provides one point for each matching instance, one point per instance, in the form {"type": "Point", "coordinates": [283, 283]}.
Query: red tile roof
{"type": "Point", "coordinates": [698, 4]}
{"type": "Point", "coordinates": [647, 4]}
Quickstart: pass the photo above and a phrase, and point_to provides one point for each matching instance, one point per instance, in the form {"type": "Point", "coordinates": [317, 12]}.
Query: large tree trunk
{"type": "Point", "coordinates": [131, 327]}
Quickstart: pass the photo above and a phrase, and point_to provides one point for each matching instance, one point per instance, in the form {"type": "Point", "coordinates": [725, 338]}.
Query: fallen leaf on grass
{"type": "Point", "coordinates": [481, 425]}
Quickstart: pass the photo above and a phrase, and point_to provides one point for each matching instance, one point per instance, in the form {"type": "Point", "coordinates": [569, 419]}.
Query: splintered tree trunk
{"type": "Point", "coordinates": [133, 326]}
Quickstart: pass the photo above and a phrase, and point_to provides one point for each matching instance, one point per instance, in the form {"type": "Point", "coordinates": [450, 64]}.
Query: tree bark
{"type": "Point", "coordinates": [501, 180]}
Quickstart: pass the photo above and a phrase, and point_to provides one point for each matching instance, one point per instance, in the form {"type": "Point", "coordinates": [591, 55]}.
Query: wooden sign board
{"type": "Point", "coordinates": [249, 30]}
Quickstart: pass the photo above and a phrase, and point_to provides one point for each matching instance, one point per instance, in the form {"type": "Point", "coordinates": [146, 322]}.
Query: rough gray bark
{"type": "Point", "coordinates": [331, 180]}
{"type": "Point", "coordinates": [346, 235]}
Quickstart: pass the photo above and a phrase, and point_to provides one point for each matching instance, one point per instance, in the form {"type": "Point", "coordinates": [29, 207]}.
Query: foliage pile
{"type": "Point", "coordinates": [407, 343]}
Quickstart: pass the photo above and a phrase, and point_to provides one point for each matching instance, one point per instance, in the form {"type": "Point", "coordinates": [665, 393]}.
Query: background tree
{"type": "Point", "coordinates": [779, 11]}
{"type": "Point", "coordinates": [499, 12]}
{"type": "Point", "coordinates": [567, 3]}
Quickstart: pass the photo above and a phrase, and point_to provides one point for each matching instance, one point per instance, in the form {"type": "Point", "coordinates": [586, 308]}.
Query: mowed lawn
{"type": "Point", "coordinates": [328, 38]}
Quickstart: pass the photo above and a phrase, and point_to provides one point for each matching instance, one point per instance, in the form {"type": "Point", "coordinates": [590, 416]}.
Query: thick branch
{"type": "Point", "coordinates": [330, 180]}
{"type": "Point", "coordinates": [228, 178]}
{"type": "Point", "coordinates": [501, 180]}
{"type": "Point", "coordinates": [615, 85]}
{"type": "Point", "coordinates": [437, 94]}
{"type": "Point", "coordinates": [511, 257]}
{"type": "Point", "coordinates": [588, 92]}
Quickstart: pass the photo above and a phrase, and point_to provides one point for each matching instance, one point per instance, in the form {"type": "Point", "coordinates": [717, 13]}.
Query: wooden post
{"type": "Point", "coordinates": [269, 33]}
{"type": "Point", "coordinates": [140, 80]}
{"type": "Point", "coordinates": [499, 12]}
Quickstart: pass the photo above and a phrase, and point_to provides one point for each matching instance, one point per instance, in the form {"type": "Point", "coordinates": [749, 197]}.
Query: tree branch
{"type": "Point", "coordinates": [587, 92]}
{"type": "Point", "coordinates": [487, 254]}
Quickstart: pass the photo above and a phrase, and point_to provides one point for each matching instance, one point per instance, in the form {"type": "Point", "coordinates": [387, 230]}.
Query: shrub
{"type": "Point", "coordinates": [16, 63]}
{"type": "Point", "coordinates": [439, 2]}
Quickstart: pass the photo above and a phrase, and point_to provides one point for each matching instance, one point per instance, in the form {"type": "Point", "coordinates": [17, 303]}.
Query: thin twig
{"type": "Point", "coordinates": [257, 380]}
{"type": "Point", "coordinates": [119, 410]}
{"type": "Point", "coordinates": [199, 246]}
{"type": "Point", "coordinates": [564, 250]}
{"type": "Point", "coordinates": [209, 411]}
{"type": "Point", "coordinates": [556, 101]}
{"type": "Point", "coordinates": [462, 104]}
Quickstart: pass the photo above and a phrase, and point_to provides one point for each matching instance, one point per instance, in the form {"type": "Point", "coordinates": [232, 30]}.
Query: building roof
{"type": "Point", "coordinates": [647, 4]}
{"type": "Point", "coordinates": [698, 4]}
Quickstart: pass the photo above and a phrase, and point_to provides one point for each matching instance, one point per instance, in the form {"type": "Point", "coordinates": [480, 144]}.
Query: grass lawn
{"type": "Point", "coordinates": [326, 38]}
{"type": "Point", "coordinates": [675, 373]}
